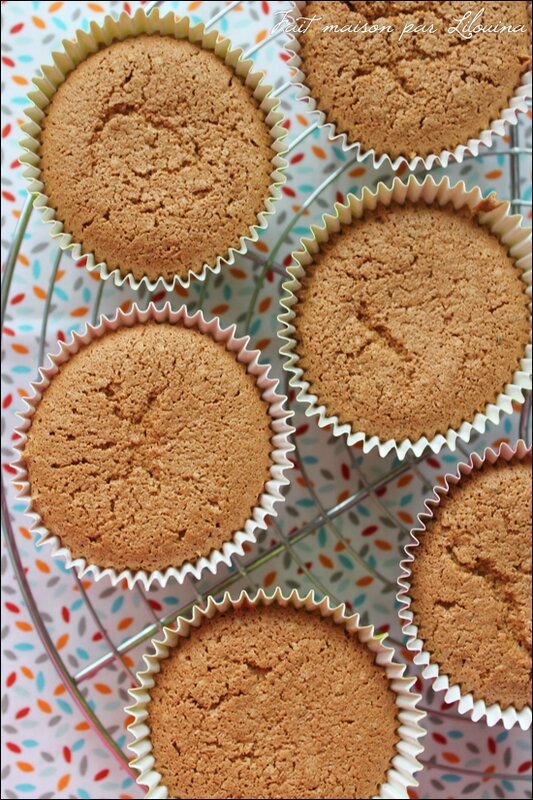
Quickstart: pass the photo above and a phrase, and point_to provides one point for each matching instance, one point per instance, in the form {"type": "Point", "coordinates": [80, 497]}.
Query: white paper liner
{"type": "Point", "coordinates": [404, 764]}
{"type": "Point", "coordinates": [473, 147]}
{"type": "Point", "coordinates": [77, 50]}
{"type": "Point", "coordinates": [280, 441]}
{"type": "Point", "coordinates": [498, 219]}
{"type": "Point", "coordinates": [465, 703]}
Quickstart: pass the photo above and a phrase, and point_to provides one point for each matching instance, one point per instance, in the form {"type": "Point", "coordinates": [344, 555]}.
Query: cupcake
{"type": "Point", "coordinates": [468, 585]}
{"type": "Point", "coordinates": [412, 318]}
{"type": "Point", "coordinates": [411, 79]}
{"type": "Point", "coordinates": [272, 701]}
{"type": "Point", "coordinates": [156, 153]}
{"type": "Point", "coordinates": [153, 444]}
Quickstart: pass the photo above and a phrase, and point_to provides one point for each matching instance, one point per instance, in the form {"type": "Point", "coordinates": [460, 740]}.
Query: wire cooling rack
{"type": "Point", "coordinates": [346, 516]}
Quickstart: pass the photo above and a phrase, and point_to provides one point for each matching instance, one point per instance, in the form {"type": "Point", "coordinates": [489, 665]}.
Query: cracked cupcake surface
{"type": "Point", "coordinates": [155, 156]}
{"type": "Point", "coordinates": [149, 448]}
{"type": "Point", "coordinates": [471, 584]}
{"type": "Point", "coordinates": [419, 93]}
{"type": "Point", "coordinates": [272, 702]}
{"type": "Point", "coordinates": [410, 320]}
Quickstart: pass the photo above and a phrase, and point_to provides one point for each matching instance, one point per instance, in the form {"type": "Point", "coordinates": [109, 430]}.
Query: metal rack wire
{"type": "Point", "coordinates": [325, 516]}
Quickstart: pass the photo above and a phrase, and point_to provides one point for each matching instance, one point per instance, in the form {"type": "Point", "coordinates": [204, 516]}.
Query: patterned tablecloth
{"type": "Point", "coordinates": [48, 747]}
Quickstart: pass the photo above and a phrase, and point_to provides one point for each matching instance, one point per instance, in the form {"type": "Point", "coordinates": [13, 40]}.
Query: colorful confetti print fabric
{"type": "Point", "coordinates": [346, 517]}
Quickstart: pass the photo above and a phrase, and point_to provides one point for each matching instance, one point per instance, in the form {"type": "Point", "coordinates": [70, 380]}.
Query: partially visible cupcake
{"type": "Point", "coordinates": [467, 586]}
{"type": "Point", "coordinates": [412, 318]}
{"type": "Point", "coordinates": [471, 584]}
{"type": "Point", "coordinates": [155, 445]}
{"type": "Point", "coordinates": [405, 78]}
{"type": "Point", "coordinates": [274, 702]}
{"type": "Point", "coordinates": [155, 152]}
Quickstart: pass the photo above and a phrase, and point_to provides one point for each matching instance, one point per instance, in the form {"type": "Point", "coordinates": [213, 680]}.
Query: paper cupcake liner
{"type": "Point", "coordinates": [490, 212]}
{"type": "Point", "coordinates": [280, 440]}
{"type": "Point", "coordinates": [465, 703]}
{"type": "Point", "coordinates": [473, 147]}
{"type": "Point", "coordinates": [405, 763]}
{"type": "Point", "coordinates": [77, 50]}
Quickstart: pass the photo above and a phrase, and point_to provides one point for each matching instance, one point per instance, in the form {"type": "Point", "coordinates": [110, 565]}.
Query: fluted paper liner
{"type": "Point", "coordinates": [281, 445]}
{"type": "Point", "coordinates": [464, 703]}
{"type": "Point", "coordinates": [491, 213]}
{"type": "Point", "coordinates": [77, 50]}
{"type": "Point", "coordinates": [473, 147]}
{"type": "Point", "coordinates": [401, 774]}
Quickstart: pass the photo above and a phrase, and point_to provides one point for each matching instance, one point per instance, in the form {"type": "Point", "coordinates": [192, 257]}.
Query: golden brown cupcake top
{"type": "Point", "coordinates": [410, 321]}
{"type": "Point", "coordinates": [150, 447]}
{"type": "Point", "coordinates": [155, 156]}
{"type": "Point", "coordinates": [417, 93]}
{"type": "Point", "coordinates": [272, 702]}
{"type": "Point", "coordinates": [471, 585]}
